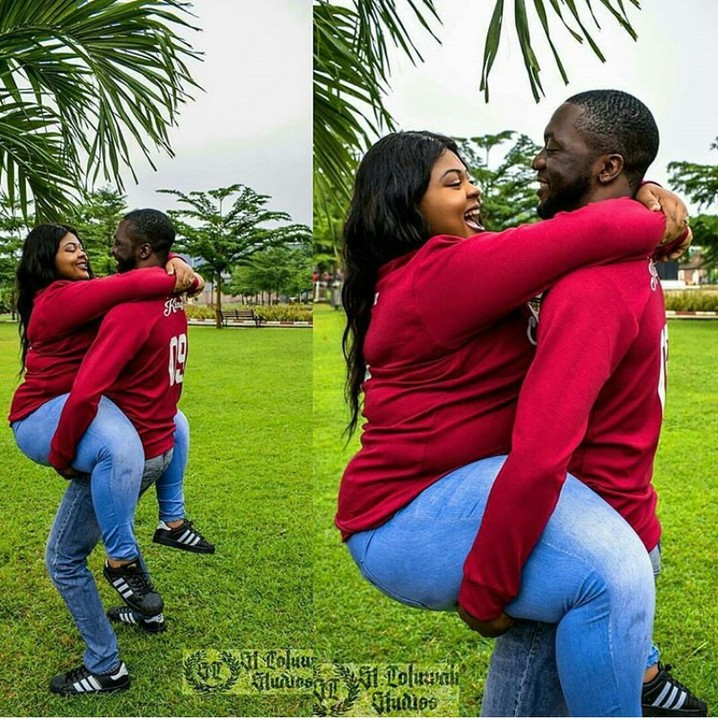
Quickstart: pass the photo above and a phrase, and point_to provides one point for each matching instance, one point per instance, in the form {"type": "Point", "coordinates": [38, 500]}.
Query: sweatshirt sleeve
{"type": "Point", "coordinates": [467, 285]}
{"type": "Point", "coordinates": [584, 331]}
{"type": "Point", "coordinates": [120, 336]}
{"type": "Point", "coordinates": [74, 304]}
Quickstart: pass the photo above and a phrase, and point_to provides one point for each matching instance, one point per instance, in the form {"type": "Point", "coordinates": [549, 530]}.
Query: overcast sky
{"type": "Point", "coordinates": [672, 68]}
{"type": "Point", "coordinates": [252, 125]}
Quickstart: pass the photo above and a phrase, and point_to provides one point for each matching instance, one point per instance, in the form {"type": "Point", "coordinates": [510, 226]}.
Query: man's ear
{"type": "Point", "coordinates": [144, 251]}
{"type": "Point", "coordinates": [610, 167]}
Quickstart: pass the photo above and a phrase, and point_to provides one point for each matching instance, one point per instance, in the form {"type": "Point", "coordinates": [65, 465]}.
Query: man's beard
{"type": "Point", "coordinates": [570, 198]}
{"type": "Point", "coordinates": [123, 266]}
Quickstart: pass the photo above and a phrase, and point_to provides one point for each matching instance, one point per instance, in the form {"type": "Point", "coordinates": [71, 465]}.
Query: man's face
{"type": "Point", "coordinates": [123, 249]}
{"type": "Point", "coordinates": [564, 165]}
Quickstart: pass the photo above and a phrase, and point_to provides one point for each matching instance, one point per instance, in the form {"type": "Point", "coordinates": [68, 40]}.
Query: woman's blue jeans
{"type": "Point", "coordinates": [589, 574]}
{"type": "Point", "coordinates": [110, 452]}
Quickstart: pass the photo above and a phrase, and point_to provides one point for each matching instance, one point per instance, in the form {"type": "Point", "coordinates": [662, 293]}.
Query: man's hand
{"type": "Point", "coordinates": [200, 286]}
{"type": "Point", "coordinates": [184, 275]}
{"type": "Point", "coordinates": [68, 473]}
{"type": "Point", "coordinates": [487, 628]}
{"type": "Point", "coordinates": [659, 199]}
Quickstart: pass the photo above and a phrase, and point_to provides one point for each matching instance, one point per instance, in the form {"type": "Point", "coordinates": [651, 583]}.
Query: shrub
{"type": "Point", "coordinates": [283, 312]}
{"type": "Point", "coordinates": [199, 312]}
{"type": "Point", "coordinates": [692, 300]}
{"type": "Point", "coordinates": [266, 312]}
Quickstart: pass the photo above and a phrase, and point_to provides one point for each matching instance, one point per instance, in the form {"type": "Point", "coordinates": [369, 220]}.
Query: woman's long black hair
{"type": "Point", "coordinates": [383, 223]}
{"type": "Point", "coordinates": [36, 271]}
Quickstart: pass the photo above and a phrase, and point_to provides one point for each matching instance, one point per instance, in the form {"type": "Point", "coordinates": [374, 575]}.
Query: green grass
{"type": "Point", "coordinates": [355, 623]}
{"type": "Point", "coordinates": [247, 397]}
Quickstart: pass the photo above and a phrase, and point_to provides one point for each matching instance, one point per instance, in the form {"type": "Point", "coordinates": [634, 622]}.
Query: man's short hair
{"type": "Point", "coordinates": [152, 227]}
{"type": "Point", "coordinates": [616, 122]}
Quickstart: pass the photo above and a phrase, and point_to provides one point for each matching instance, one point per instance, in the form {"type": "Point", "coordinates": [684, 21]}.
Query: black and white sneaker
{"type": "Point", "coordinates": [184, 537]}
{"type": "Point", "coordinates": [127, 616]}
{"type": "Point", "coordinates": [135, 588]}
{"type": "Point", "coordinates": [81, 680]}
{"type": "Point", "coordinates": [664, 696]}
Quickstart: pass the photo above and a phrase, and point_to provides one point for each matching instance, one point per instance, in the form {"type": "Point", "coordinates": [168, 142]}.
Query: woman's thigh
{"type": "Point", "coordinates": [109, 434]}
{"type": "Point", "coordinates": [417, 556]}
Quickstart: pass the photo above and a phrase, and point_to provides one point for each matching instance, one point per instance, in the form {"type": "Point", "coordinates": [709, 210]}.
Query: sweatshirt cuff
{"type": "Point", "coordinates": [59, 460]}
{"type": "Point", "coordinates": [480, 601]}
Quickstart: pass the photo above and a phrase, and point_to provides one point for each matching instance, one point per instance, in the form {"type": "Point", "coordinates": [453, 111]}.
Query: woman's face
{"type": "Point", "coordinates": [71, 259]}
{"type": "Point", "coordinates": [451, 204]}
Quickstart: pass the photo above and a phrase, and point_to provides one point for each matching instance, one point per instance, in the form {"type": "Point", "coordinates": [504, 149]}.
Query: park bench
{"type": "Point", "coordinates": [239, 316]}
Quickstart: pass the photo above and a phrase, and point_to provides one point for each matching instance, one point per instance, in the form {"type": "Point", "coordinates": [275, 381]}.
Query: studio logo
{"type": "Point", "coordinates": [385, 690]}
{"type": "Point", "coordinates": [210, 671]}
{"type": "Point", "coordinates": [336, 690]}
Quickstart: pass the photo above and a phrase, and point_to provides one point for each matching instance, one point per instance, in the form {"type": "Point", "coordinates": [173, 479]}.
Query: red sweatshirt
{"type": "Point", "coordinates": [63, 324]}
{"type": "Point", "coordinates": [448, 348]}
{"type": "Point", "coordinates": [591, 403]}
{"type": "Point", "coordinates": [138, 361]}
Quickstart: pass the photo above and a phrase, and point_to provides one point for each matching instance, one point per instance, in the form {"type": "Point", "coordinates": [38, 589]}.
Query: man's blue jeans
{"type": "Point", "coordinates": [76, 529]}
{"type": "Point", "coordinates": [589, 574]}
{"type": "Point", "coordinates": [523, 680]}
{"type": "Point", "coordinates": [74, 535]}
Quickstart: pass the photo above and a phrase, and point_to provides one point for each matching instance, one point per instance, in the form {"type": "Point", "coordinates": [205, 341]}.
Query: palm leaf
{"type": "Point", "coordinates": [112, 73]}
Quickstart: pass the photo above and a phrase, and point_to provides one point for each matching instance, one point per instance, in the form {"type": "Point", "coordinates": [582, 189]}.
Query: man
{"type": "Point", "coordinates": [591, 403]}
{"type": "Point", "coordinates": [137, 360]}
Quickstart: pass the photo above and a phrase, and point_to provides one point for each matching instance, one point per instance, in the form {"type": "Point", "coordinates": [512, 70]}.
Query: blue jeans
{"type": "Point", "coordinates": [74, 535]}
{"type": "Point", "coordinates": [170, 487]}
{"type": "Point", "coordinates": [523, 680]}
{"type": "Point", "coordinates": [589, 574]}
{"type": "Point", "coordinates": [110, 452]}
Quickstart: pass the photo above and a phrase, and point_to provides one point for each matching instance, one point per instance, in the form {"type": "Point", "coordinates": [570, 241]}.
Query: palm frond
{"type": "Point", "coordinates": [113, 75]}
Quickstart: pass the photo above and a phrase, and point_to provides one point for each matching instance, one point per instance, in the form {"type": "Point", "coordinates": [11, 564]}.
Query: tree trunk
{"type": "Point", "coordinates": [218, 302]}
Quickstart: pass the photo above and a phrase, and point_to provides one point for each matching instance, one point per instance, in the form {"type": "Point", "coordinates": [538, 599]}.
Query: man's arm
{"type": "Point", "coordinates": [120, 336]}
{"type": "Point", "coordinates": [585, 328]}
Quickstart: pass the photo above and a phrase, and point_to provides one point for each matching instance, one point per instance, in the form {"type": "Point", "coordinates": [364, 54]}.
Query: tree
{"type": "Point", "coordinates": [80, 80]}
{"type": "Point", "coordinates": [700, 183]}
{"type": "Point", "coordinates": [222, 237]}
{"type": "Point", "coordinates": [96, 218]}
{"type": "Point", "coordinates": [281, 270]}
{"type": "Point", "coordinates": [352, 69]}
{"type": "Point", "coordinates": [13, 230]}
{"type": "Point", "coordinates": [329, 213]}
{"type": "Point", "coordinates": [508, 196]}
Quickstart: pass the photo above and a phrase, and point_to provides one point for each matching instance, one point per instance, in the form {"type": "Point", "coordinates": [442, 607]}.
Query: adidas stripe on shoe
{"type": "Point", "coordinates": [81, 680]}
{"type": "Point", "coordinates": [664, 696]}
{"type": "Point", "coordinates": [135, 588]}
{"type": "Point", "coordinates": [127, 616]}
{"type": "Point", "coordinates": [184, 537]}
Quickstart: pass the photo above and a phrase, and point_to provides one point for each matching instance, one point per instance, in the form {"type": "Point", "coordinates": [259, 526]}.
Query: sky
{"type": "Point", "coordinates": [671, 67]}
{"type": "Point", "coordinates": [252, 124]}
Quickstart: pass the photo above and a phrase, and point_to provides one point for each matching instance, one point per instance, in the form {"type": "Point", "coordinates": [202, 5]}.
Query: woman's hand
{"type": "Point", "coordinates": [487, 628]}
{"type": "Point", "coordinates": [184, 275]}
{"type": "Point", "coordinates": [678, 235]}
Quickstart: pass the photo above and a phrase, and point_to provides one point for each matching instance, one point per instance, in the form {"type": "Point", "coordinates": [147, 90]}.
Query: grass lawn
{"type": "Point", "coordinates": [247, 397]}
{"type": "Point", "coordinates": [356, 624]}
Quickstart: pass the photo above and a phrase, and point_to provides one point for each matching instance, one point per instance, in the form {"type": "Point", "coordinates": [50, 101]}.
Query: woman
{"type": "Point", "coordinates": [438, 340]}
{"type": "Point", "coordinates": [60, 308]}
